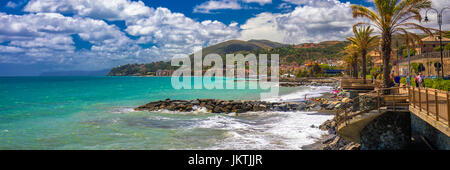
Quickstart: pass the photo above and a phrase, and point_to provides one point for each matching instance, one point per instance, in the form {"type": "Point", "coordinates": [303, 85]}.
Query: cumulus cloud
{"type": "Point", "coordinates": [110, 10]}
{"type": "Point", "coordinates": [209, 6]}
{"type": "Point", "coordinates": [304, 24]}
{"type": "Point", "coordinates": [212, 5]}
{"type": "Point", "coordinates": [285, 7]}
{"type": "Point", "coordinates": [178, 33]}
{"type": "Point", "coordinates": [261, 2]}
{"type": "Point", "coordinates": [263, 26]}
{"type": "Point", "coordinates": [47, 37]}
{"type": "Point", "coordinates": [317, 3]}
{"type": "Point", "coordinates": [46, 34]}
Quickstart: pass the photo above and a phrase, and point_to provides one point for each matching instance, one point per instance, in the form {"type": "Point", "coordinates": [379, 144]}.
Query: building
{"type": "Point", "coordinates": [293, 67]}
{"type": "Point", "coordinates": [376, 57]}
{"type": "Point", "coordinates": [430, 43]}
{"type": "Point", "coordinates": [163, 73]}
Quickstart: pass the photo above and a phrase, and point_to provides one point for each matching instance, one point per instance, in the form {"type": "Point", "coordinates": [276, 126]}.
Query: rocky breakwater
{"type": "Point", "coordinates": [307, 82]}
{"type": "Point", "coordinates": [224, 106]}
{"type": "Point", "coordinates": [333, 141]}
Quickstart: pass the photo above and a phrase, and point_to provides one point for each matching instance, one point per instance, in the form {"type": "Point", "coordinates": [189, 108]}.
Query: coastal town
{"type": "Point", "coordinates": [225, 75]}
{"type": "Point", "coordinates": [390, 88]}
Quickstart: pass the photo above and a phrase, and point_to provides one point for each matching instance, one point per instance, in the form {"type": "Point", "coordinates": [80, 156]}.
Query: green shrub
{"type": "Point", "coordinates": [439, 84]}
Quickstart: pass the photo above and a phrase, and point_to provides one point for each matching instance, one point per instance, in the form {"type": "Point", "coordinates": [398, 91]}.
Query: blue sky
{"type": "Point", "coordinates": [47, 35]}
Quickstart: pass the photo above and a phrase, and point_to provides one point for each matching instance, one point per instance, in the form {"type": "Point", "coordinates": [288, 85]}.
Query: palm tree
{"type": "Point", "coordinates": [392, 16]}
{"type": "Point", "coordinates": [364, 42]}
{"type": "Point", "coordinates": [351, 58]}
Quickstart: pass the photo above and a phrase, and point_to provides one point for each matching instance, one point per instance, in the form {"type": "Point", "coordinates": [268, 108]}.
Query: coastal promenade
{"type": "Point", "coordinates": [430, 105]}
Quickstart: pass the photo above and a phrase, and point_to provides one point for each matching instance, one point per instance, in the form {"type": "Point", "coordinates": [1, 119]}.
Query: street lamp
{"type": "Point", "coordinates": [439, 19]}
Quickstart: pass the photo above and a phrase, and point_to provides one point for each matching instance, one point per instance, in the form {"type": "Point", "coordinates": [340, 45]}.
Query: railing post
{"type": "Point", "coordinates": [409, 94]}
{"type": "Point", "coordinates": [420, 100]}
{"type": "Point", "coordinates": [414, 96]}
{"type": "Point", "coordinates": [379, 100]}
{"type": "Point", "coordinates": [393, 99]}
{"type": "Point", "coordinates": [437, 106]}
{"type": "Point", "coordinates": [448, 110]}
{"type": "Point", "coordinates": [428, 107]}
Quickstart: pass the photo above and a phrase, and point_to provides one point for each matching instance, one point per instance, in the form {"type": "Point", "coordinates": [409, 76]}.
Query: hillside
{"type": "Point", "coordinates": [234, 46]}
{"type": "Point", "coordinates": [288, 54]}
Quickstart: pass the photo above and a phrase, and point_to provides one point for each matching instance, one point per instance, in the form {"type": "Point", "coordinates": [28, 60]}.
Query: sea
{"type": "Point", "coordinates": [96, 113]}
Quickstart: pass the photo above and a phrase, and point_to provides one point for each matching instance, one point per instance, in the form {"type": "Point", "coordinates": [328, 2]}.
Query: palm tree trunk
{"type": "Point", "coordinates": [364, 65]}
{"type": "Point", "coordinates": [386, 55]}
{"type": "Point", "coordinates": [349, 69]}
{"type": "Point", "coordinates": [355, 67]}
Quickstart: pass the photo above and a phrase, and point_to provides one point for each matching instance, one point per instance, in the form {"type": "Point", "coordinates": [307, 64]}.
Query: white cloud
{"type": "Point", "coordinates": [208, 6]}
{"type": "Point", "coordinates": [263, 26]}
{"type": "Point", "coordinates": [212, 5]}
{"type": "Point", "coordinates": [260, 2]}
{"type": "Point", "coordinates": [47, 37]}
{"type": "Point", "coordinates": [46, 34]}
{"type": "Point", "coordinates": [304, 24]}
{"type": "Point", "coordinates": [11, 4]}
{"type": "Point", "coordinates": [110, 10]}
{"type": "Point", "coordinates": [316, 3]}
{"type": "Point", "coordinates": [285, 7]}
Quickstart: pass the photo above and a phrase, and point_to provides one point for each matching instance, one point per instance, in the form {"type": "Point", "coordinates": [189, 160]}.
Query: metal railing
{"type": "Point", "coordinates": [434, 103]}
{"type": "Point", "coordinates": [374, 100]}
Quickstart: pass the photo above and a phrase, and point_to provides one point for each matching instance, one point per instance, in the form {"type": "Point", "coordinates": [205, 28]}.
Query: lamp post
{"type": "Point", "coordinates": [439, 19]}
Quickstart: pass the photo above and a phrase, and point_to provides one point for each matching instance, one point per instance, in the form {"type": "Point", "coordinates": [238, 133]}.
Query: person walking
{"type": "Point", "coordinates": [392, 80]}
{"type": "Point", "coordinates": [408, 80]}
{"type": "Point", "coordinates": [420, 79]}
{"type": "Point", "coordinates": [416, 80]}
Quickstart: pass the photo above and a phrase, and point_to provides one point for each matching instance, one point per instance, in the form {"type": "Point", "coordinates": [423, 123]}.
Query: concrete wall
{"type": "Point", "coordinates": [438, 139]}
{"type": "Point", "coordinates": [390, 131]}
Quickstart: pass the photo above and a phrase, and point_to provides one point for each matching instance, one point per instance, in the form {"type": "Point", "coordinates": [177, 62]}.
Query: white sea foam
{"type": "Point", "coordinates": [273, 130]}
{"type": "Point", "coordinates": [308, 91]}
{"type": "Point", "coordinates": [264, 130]}
{"type": "Point", "coordinates": [297, 128]}
{"type": "Point", "coordinates": [195, 110]}
{"type": "Point", "coordinates": [286, 130]}
{"type": "Point", "coordinates": [222, 122]}
{"type": "Point", "coordinates": [122, 110]}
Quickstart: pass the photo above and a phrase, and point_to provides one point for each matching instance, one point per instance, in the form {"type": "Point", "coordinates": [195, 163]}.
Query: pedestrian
{"type": "Point", "coordinates": [416, 80]}
{"type": "Point", "coordinates": [392, 81]}
{"type": "Point", "coordinates": [408, 80]}
{"type": "Point", "coordinates": [420, 79]}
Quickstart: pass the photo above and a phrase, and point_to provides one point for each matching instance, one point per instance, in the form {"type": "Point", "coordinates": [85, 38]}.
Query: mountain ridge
{"type": "Point", "coordinates": [288, 53]}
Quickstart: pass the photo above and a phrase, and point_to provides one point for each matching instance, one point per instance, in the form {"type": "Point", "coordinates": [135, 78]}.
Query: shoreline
{"type": "Point", "coordinates": [323, 105]}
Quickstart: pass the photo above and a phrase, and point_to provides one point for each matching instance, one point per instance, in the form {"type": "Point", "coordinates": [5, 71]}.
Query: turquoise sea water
{"type": "Point", "coordinates": [97, 113]}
